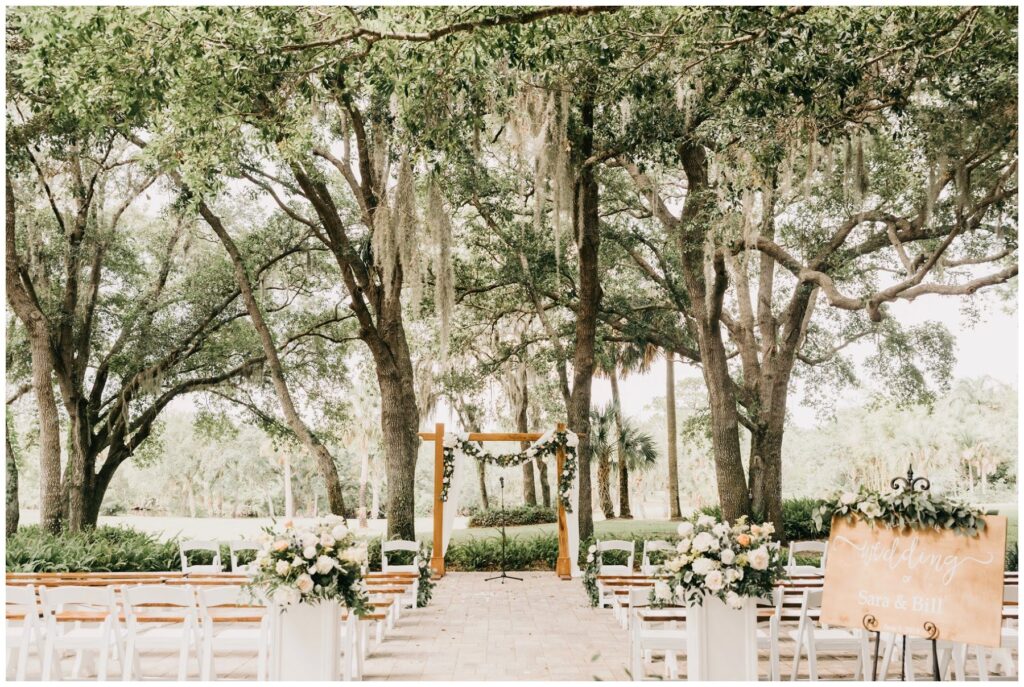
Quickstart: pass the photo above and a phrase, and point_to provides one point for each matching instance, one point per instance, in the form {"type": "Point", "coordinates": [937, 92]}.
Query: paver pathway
{"type": "Point", "coordinates": [539, 629]}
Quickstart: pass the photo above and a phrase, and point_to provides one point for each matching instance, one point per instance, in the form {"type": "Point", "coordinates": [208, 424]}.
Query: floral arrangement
{"type": "Point", "coordinates": [547, 445]}
{"type": "Point", "coordinates": [916, 509]}
{"type": "Point", "coordinates": [713, 558]}
{"type": "Point", "coordinates": [425, 588]}
{"type": "Point", "coordinates": [590, 570]}
{"type": "Point", "coordinates": [321, 562]}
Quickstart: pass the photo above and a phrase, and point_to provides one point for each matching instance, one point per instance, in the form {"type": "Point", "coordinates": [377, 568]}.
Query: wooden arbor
{"type": "Point", "coordinates": [563, 568]}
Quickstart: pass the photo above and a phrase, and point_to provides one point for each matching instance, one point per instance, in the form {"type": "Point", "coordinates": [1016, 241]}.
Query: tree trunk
{"type": "Point", "coordinates": [766, 476]}
{"type": "Point", "coordinates": [399, 420]}
{"type": "Point", "coordinates": [675, 512]}
{"type": "Point", "coordinates": [481, 471]}
{"type": "Point", "coordinates": [588, 244]}
{"type": "Point", "coordinates": [725, 437]}
{"type": "Point", "coordinates": [322, 457]}
{"type": "Point", "coordinates": [375, 494]}
{"type": "Point", "coordinates": [50, 496]}
{"type": "Point", "coordinates": [620, 449]}
{"type": "Point", "coordinates": [79, 473]}
{"type": "Point", "coordinates": [545, 487]}
{"type": "Point", "coordinates": [364, 476]}
{"type": "Point", "coordinates": [604, 495]}
{"type": "Point", "coordinates": [13, 512]}
{"type": "Point", "coordinates": [289, 497]}
{"type": "Point", "coordinates": [38, 331]}
{"type": "Point", "coordinates": [523, 425]}
{"type": "Point", "coordinates": [190, 495]}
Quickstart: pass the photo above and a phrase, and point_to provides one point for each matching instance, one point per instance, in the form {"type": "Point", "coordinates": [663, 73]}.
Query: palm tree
{"type": "Point", "coordinates": [612, 360]}
{"type": "Point", "coordinates": [634, 448]}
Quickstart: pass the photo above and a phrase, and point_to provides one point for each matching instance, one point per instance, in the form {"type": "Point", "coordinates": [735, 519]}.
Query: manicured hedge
{"type": "Point", "coordinates": [519, 515]}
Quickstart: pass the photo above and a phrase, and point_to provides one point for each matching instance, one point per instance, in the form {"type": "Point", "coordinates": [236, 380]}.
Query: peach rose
{"type": "Point", "coordinates": [743, 540]}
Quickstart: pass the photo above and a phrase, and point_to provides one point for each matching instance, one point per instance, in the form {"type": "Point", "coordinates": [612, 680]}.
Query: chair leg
{"type": "Point", "coordinates": [129, 666]}
{"type": "Point", "coordinates": [48, 659]}
{"type": "Point", "coordinates": [101, 663]}
{"type": "Point", "coordinates": [76, 666]}
{"type": "Point", "coordinates": [183, 653]}
{"type": "Point", "coordinates": [979, 653]}
{"type": "Point", "coordinates": [22, 659]}
{"type": "Point", "coordinates": [812, 656]}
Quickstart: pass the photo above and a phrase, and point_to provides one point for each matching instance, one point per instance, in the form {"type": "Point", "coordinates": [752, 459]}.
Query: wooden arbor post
{"type": "Point", "coordinates": [563, 567]}
{"type": "Point", "coordinates": [437, 555]}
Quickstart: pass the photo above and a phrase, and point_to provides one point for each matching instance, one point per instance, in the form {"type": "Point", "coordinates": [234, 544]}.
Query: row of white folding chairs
{"type": "Point", "coordinates": [156, 617]}
{"type": "Point", "coordinates": [213, 547]}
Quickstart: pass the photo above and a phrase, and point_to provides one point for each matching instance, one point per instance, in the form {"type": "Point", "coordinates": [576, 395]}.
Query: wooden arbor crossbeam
{"type": "Point", "coordinates": [563, 567]}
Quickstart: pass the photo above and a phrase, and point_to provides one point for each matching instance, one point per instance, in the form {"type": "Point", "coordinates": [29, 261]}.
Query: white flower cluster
{"type": "Point", "coordinates": [733, 562]}
{"type": "Point", "coordinates": [317, 561]}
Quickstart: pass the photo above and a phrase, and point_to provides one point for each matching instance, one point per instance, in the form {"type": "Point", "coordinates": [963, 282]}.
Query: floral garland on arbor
{"type": "Point", "coordinates": [547, 445]}
{"type": "Point", "coordinates": [916, 509]}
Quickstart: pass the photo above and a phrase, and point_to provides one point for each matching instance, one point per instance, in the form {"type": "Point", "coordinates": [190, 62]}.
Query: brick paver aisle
{"type": "Point", "coordinates": [539, 629]}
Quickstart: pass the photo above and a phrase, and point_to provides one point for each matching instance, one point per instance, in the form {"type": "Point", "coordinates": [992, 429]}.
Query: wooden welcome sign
{"type": "Point", "coordinates": [925, 583]}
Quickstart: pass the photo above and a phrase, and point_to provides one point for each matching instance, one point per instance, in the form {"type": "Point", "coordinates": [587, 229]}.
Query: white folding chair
{"type": "Point", "coordinates": [235, 548]}
{"type": "Point", "coordinates": [24, 629]}
{"type": "Point", "coordinates": [813, 547]}
{"type": "Point", "coordinates": [200, 545]}
{"type": "Point", "coordinates": [650, 546]}
{"type": "Point", "coordinates": [1001, 659]}
{"type": "Point", "coordinates": [655, 630]}
{"type": "Point", "coordinates": [409, 599]}
{"type": "Point", "coordinates": [810, 638]}
{"type": "Point", "coordinates": [225, 619]}
{"type": "Point", "coordinates": [768, 637]}
{"type": "Point", "coordinates": [616, 545]}
{"type": "Point", "coordinates": [160, 617]}
{"type": "Point", "coordinates": [351, 656]}
{"type": "Point", "coordinates": [387, 547]}
{"type": "Point", "coordinates": [79, 619]}
{"type": "Point", "coordinates": [605, 595]}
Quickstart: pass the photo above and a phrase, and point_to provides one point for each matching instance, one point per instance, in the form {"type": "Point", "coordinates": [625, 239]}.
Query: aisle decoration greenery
{"type": "Point", "coordinates": [319, 562]}
{"type": "Point", "coordinates": [547, 445]}
{"type": "Point", "coordinates": [425, 588]}
{"type": "Point", "coordinates": [590, 570]}
{"type": "Point", "coordinates": [916, 509]}
{"type": "Point", "coordinates": [713, 558]}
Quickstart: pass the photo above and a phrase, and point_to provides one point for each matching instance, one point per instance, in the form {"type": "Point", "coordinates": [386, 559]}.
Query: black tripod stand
{"type": "Point", "coordinates": [504, 575]}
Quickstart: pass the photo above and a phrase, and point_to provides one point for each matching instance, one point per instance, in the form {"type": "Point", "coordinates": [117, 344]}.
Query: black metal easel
{"type": "Point", "coordinates": [504, 575]}
{"type": "Point", "coordinates": [871, 624]}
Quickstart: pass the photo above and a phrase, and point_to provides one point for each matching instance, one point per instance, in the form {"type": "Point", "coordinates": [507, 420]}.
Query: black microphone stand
{"type": "Point", "coordinates": [504, 575]}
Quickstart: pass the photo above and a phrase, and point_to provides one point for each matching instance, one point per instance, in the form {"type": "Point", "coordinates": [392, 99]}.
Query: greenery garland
{"type": "Point", "coordinates": [547, 445]}
{"type": "Point", "coordinates": [425, 588]}
{"type": "Point", "coordinates": [916, 509]}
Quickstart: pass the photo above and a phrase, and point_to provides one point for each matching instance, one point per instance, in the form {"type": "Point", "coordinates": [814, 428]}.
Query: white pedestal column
{"type": "Point", "coordinates": [305, 642]}
{"type": "Point", "coordinates": [721, 642]}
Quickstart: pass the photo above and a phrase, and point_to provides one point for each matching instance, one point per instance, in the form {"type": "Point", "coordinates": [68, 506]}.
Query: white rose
{"type": "Point", "coordinates": [684, 529]}
{"type": "Point", "coordinates": [592, 549]}
{"type": "Point", "coordinates": [354, 554]}
{"type": "Point", "coordinates": [721, 529]}
{"type": "Point", "coordinates": [282, 567]}
{"type": "Point", "coordinates": [705, 521]}
{"type": "Point", "coordinates": [733, 574]}
{"type": "Point", "coordinates": [339, 531]}
{"type": "Point", "coordinates": [703, 541]}
{"type": "Point", "coordinates": [676, 564]}
{"type": "Point", "coordinates": [703, 566]}
{"type": "Point", "coordinates": [308, 539]}
{"type": "Point", "coordinates": [298, 562]}
{"type": "Point", "coordinates": [870, 509]}
{"type": "Point", "coordinates": [759, 558]}
{"type": "Point", "coordinates": [284, 596]}
{"type": "Point", "coordinates": [304, 583]}
{"type": "Point", "coordinates": [662, 591]}
{"type": "Point", "coordinates": [309, 552]}
{"type": "Point", "coordinates": [324, 564]}
{"type": "Point", "coordinates": [847, 498]}
{"type": "Point", "coordinates": [714, 580]}
{"type": "Point", "coordinates": [734, 600]}
{"type": "Point", "coordinates": [326, 540]}
{"type": "Point", "coordinates": [683, 546]}
{"type": "Point", "coordinates": [590, 558]}
{"type": "Point", "coordinates": [727, 556]}
{"type": "Point", "coordinates": [767, 529]}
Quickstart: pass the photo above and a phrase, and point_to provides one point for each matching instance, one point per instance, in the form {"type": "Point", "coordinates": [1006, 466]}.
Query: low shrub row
{"type": "Point", "coordinates": [103, 549]}
{"type": "Point", "coordinates": [512, 517]}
